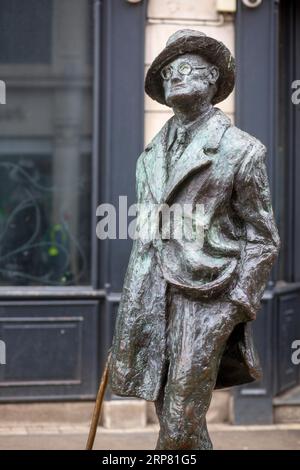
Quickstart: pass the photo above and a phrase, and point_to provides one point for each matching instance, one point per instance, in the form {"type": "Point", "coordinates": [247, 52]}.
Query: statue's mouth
{"type": "Point", "coordinates": [180, 85]}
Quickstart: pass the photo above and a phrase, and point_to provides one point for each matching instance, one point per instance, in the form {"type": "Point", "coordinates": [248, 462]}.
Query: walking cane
{"type": "Point", "coordinates": [98, 406]}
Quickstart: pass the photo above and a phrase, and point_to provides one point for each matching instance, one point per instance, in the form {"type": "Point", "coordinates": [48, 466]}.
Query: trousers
{"type": "Point", "coordinates": [196, 336]}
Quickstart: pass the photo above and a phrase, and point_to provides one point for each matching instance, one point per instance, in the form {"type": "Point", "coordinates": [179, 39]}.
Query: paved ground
{"type": "Point", "coordinates": [51, 437]}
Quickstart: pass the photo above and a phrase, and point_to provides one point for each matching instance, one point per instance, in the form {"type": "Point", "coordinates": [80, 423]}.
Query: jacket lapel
{"type": "Point", "coordinates": [198, 154]}
{"type": "Point", "coordinates": [155, 162]}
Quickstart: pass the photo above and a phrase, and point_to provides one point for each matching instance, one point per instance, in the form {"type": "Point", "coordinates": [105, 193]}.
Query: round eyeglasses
{"type": "Point", "coordinates": [184, 68]}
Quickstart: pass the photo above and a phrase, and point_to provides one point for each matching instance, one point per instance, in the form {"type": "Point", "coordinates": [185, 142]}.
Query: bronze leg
{"type": "Point", "coordinates": [197, 335]}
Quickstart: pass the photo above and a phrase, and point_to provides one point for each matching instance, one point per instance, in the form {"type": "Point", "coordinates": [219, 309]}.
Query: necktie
{"type": "Point", "coordinates": [178, 147]}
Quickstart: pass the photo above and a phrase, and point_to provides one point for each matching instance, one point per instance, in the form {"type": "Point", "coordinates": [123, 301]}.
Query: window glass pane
{"type": "Point", "coordinates": [31, 42]}
{"type": "Point", "coordinates": [45, 142]}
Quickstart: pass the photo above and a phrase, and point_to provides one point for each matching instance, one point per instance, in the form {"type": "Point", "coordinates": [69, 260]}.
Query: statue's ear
{"type": "Point", "coordinates": [213, 74]}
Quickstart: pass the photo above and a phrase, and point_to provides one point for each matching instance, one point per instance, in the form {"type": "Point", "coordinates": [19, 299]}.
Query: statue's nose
{"type": "Point", "coordinates": [176, 77]}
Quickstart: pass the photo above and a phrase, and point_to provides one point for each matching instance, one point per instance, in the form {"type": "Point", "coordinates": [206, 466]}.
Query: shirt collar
{"type": "Point", "coordinates": [191, 128]}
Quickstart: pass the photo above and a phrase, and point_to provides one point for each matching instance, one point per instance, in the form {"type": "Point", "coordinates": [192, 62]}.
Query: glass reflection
{"type": "Point", "coordinates": [45, 142]}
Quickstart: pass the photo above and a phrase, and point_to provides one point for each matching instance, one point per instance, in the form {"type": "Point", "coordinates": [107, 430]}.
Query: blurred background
{"type": "Point", "coordinates": [75, 120]}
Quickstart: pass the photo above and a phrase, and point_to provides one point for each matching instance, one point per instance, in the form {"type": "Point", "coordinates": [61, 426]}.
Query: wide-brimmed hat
{"type": "Point", "coordinates": [191, 41]}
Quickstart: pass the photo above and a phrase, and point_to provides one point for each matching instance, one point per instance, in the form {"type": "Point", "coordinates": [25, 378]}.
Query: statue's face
{"type": "Point", "coordinates": [188, 78]}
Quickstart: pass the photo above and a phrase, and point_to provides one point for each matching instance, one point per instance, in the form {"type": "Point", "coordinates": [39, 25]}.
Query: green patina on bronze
{"type": "Point", "coordinates": [184, 320]}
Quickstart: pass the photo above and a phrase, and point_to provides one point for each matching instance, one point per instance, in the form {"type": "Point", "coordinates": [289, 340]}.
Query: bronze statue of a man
{"type": "Point", "coordinates": [183, 326]}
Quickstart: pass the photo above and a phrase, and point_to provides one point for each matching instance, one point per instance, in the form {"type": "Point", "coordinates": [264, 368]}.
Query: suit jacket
{"type": "Point", "coordinates": [223, 170]}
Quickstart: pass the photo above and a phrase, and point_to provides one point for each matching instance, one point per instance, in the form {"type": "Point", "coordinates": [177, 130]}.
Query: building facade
{"type": "Point", "coordinates": [75, 120]}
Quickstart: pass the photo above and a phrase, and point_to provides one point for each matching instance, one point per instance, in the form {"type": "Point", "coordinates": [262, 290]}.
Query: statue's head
{"type": "Point", "coordinates": [192, 66]}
